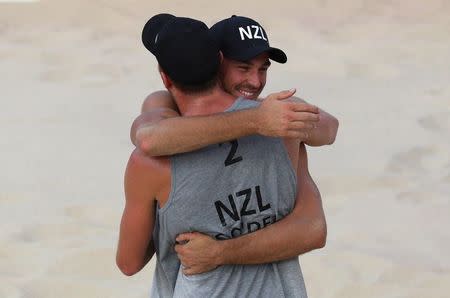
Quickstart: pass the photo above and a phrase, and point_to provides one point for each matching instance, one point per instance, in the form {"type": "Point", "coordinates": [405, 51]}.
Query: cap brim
{"type": "Point", "coordinates": [153, 27]}
{"type": "Point", "coordinates": [275, 54]}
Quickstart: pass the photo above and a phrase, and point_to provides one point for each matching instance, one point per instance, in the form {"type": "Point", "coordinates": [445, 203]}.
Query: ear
{"type": "Point", "coordinates": [166, 80]}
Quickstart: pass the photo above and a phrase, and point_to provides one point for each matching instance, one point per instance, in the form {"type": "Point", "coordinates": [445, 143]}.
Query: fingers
{"type": "Point", "coordinates": [303, 107]}
{"type": "Point", "coordinates": [286, 94]}
{"type": "Point", "coordinates": [197, 269]}
{"type": "Point", "coordinates": [178, 248]}
{"type": "Point", "coordinates": [304, 116]}
{"type": "Point", "coordinates": [282, 94]}
{"type": "Point", "coordinates": [184, 238]}
{"type": "Point", "coordinates": [185, 261]}
{"type": "Point", "coordinates": [299, 125]}
{"type": "Point", "coordinates": [189, 271]}
{"type": "Point", "coordinates": [295, 134]}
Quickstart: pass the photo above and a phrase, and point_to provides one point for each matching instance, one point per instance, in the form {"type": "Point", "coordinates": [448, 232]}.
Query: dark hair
{"type": "Point", "coordinates": [184, 49]}
{"type": "Point", "coordinates": [194, 88]}
{"type": "Point", "coordinates": [197, 88]}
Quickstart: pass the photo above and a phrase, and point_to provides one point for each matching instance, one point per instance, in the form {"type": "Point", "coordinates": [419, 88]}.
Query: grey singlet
{"type": "Point", "coordinates": [226, 190]}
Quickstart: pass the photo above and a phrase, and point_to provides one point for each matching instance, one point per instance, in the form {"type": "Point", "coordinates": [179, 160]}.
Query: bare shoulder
{"type": "Point", "coordinates": [159, 99]}
{"type": "Point", "coordinates": [147, 173]}
{"type": "Point", "coordinates": [143, 162]}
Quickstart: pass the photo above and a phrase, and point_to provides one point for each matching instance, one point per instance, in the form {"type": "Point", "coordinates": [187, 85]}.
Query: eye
{"type": "Point", "coordinates": [243, 67]}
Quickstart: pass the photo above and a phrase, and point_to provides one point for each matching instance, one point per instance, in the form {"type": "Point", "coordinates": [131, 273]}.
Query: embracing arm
{"type": "Point", "coordinates": [303, 230]}
{"type": "Point", "coordinates": [299, 232]}
{"type": "Point", "coordinates": [135, 246]}
{"type": "Point", "coordinates": [325, 130]}
{"type": "Point", "coordinates": [159, 130]}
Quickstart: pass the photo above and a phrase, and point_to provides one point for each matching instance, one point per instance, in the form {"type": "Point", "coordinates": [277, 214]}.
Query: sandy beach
{"type": "Point", "coordinates": [73, 77]}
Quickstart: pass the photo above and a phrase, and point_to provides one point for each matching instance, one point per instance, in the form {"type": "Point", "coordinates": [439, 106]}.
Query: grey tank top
{"type": "Point", "coordinates": [227, 190]}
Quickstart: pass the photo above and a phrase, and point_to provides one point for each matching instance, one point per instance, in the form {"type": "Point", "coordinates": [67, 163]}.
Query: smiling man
{"type": "Point", "coordinates": [239, 189]}
{"type": "Point", "coordinates": [246, 52]}
{"type": "Point", "coordinates": [159, 131]}
{"type": "Point", "coordinates": [245, 78]}
{"type": "Point", "coordinates": [243, 72]}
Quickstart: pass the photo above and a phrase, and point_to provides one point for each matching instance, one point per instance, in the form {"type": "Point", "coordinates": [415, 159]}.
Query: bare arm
{"type": "Point", "coordinates": [135, 246]}
{"type": "Point", "coordinates": [301, 231]}
{"type": "Point", "coordinates": [325, 131]}
{"type": "Point", "coordinates": [156, 106]}
{"type": "Point", "coordinates": [159, 99]}
{"type": "Point", "coordinates": [160, 131]}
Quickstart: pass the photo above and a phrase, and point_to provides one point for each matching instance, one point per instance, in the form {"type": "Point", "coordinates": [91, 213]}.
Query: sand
{"type": "Point", "coordinates": [73, 76]}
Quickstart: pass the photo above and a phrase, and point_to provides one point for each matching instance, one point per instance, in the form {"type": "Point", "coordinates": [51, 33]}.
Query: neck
{"type": "Point", "coordinates": [212, 101]}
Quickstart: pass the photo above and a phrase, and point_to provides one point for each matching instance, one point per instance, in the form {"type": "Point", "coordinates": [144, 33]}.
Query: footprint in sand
{"type": "Point", "coordinates": [434, 92]}
{"type": "Point", "coordinates": [409, 161]}
{"type": "Point", "coordinates": [439, 122]}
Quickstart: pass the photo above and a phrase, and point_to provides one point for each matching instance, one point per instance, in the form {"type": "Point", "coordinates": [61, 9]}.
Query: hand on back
{"type": "Point", "coordinates": [280, 115]}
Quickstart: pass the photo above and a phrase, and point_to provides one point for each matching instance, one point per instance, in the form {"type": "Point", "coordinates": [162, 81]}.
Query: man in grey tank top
{"type": "Point", "coordinates": [160, 130]}
{"type": "Point", "coordinates": [222, 190]}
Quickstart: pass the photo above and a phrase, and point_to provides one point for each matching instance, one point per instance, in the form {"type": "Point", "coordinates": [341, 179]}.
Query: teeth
{"type": "Point", "coordinates": [246, 94]}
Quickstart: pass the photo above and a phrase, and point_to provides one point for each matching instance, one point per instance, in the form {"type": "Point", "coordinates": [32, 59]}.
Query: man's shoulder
{"type": "Point", "coordinates": [146, 165]}
{"type": "Point", "coordinates": [146, 176]}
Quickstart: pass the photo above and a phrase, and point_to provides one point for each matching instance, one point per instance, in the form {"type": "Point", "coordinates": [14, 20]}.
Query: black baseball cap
{"type": "Point", "coordinates": [241, 38]}
{"type": "Point", "coordinates": [184, 48]}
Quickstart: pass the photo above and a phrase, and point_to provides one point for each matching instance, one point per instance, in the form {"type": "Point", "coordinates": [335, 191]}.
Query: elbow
{"type": "Point", "coordinates": [321, 240]}
{"type": "Point", "coordinates": [333, 131]}
{"type": "Point", "coordinates": [320, 234]}
{"type": "Point", "coordinates": [145, 143]}
{"type": "Point", "coordinates": [128, 271]}
{"type": "Point", "coordinates": [126, 267]}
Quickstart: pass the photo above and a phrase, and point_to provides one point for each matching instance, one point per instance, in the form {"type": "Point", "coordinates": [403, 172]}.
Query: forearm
{"type": "Point", "coordinates": [325, 132]}
{"type": "Point", "coordinates": [301, 231]}
{"type": "Point", "coordinates": [148, 254]}
{"type": "Point", "coordinates": [183, 134]}
{"type": "Point", "coordinates": [289, 237]}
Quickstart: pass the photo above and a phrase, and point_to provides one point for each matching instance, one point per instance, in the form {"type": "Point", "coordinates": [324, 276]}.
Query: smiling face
{"type": "Point", "coordinates": [245, 79]}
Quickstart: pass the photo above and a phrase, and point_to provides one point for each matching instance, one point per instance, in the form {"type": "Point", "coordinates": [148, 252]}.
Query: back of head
{"type": "Point", "coordinates": [185, 51]}
{"type": "Point", "coordinates": [242, 39]}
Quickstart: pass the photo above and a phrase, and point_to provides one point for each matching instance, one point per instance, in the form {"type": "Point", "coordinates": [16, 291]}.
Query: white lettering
{"type": "Point", "coordinates": [247, 33]}
{"type": "Point", "coordinates": [258, 32]}
{"type": "Point", "coordinates": [262, 33]}
{"type": "Point", "coordinates": [255, 33]}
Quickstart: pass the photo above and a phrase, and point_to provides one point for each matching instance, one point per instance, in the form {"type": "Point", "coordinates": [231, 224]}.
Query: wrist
{"type": "Point", "coordinates": [254, 120]}
{"type": "Point", "coordinates": [220, 252]}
